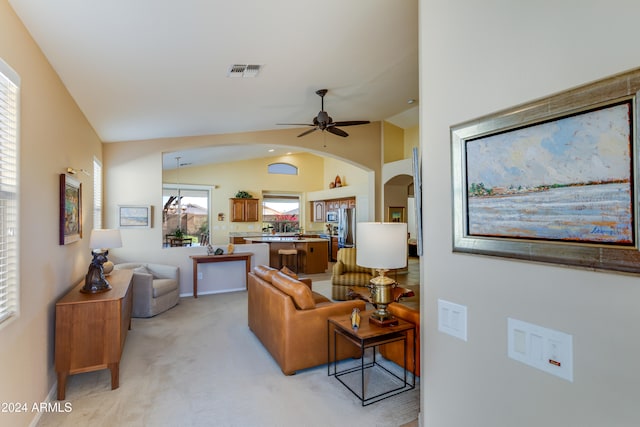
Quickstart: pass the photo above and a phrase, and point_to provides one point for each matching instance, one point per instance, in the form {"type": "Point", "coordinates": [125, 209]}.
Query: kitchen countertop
{"type": "Point", "coordinates": [283, 239]}
{"type": "Point", "coordinates": [260, 233]}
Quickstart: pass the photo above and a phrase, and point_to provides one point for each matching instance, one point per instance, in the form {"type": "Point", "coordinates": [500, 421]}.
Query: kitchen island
{"type": "Point", "coordinates": [312, 252]}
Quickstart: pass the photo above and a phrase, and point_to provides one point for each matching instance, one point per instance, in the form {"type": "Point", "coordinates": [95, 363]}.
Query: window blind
{"type": "Point", "coordinates": [97, 194]}
{"type": "Point", "coordinates": [9, 96]}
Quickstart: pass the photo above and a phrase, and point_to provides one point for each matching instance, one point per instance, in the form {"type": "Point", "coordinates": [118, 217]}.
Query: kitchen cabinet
{"type": "Point", "coordinates": [314, 259]}
{"type": "Point", "coordinates": [334, 248]}
{"type": "Point", "coordinates": [332, 205]}
{"type": "Point", "coordinates": [335, 204]}
{"type": "Point", "coordinates": [318, 211]}
{"type": "Point", "coordinates": [244, 210]}
{"type": "Point", "coordinates": [312, 252]}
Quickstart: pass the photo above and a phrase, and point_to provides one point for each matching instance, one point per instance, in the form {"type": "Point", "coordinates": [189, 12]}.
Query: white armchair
{"type": "Point", "coordinates": [156, 287]}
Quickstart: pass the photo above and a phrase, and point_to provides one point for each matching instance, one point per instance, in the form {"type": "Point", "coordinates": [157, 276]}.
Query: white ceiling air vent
{"type": "Point", "coordinates": [243, 70]}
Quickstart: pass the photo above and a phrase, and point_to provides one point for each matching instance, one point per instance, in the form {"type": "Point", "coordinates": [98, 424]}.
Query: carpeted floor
{"type": "Point", "coordinates": [198, 364]}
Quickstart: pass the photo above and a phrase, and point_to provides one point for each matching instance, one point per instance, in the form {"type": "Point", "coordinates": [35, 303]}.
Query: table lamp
{"type": "Point", "coordinates": [382, 246]}
{"type": "Point", "coordinates": [100, 242]}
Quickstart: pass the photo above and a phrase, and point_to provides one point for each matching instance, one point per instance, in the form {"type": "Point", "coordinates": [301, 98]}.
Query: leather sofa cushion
{"type": "Point", "coordinates": [264, 272]}
{"type": "Point", "coordinates": [288, 272]}
{"type": "Point", "coordinates": [299, 292]}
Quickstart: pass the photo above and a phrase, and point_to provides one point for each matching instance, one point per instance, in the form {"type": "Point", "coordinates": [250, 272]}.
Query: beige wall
{"type": "Point", "coordinates": [393, 142]}
{"type": "Point", "coordinates": [350, 175]}
{"type": "Point", "coordinates": [411, 140]}
{"type": "Point", "coordinates": [477, 58]}
{"type": "Point", "coordinates": [54, 135]}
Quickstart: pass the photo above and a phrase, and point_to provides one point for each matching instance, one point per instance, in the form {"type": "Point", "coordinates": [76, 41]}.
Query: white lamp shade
{"type": "Point", "coordinates": [105, 239]}
{"type": "Point", "coordinates": [381, 245]}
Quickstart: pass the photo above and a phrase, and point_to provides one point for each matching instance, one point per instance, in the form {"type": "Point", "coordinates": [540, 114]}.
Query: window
{"type": "Point", "coordinates": [9, 125]}
{"type": "Point", "coordinates": [280, 213]}
{"type": "Point", "coordinates": [282, 169]}
{"type": "Point", "coordinates": [97, 194]}
{"type": "Point", "coordinates": [185, 215]}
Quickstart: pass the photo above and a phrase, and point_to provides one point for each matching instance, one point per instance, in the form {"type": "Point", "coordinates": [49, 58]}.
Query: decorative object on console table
{"type": "Point", "coordinates": [70, 210]}
{"type": "Point", "coordinates": [100, 242]}
{"type": "Point", "coordinates": [383, 246]}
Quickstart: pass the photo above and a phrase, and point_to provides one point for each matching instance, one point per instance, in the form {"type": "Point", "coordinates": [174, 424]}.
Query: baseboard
{"type": "Point", "coordinates": [51, 396]}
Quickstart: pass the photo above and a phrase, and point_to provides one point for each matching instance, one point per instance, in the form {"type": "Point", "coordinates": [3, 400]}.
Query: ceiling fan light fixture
{"type": "Point", "coordinates": [323, 121]}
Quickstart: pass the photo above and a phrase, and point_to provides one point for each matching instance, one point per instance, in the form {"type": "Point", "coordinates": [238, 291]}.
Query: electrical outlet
{"type": "Point", "coordinates": [546, 349]}
{"type": "Point", "coordinates": [199, 275]}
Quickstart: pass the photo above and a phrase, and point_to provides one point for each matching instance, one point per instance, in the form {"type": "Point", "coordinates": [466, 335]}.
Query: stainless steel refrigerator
{"type": "Point", "coordinates": [346, 227]}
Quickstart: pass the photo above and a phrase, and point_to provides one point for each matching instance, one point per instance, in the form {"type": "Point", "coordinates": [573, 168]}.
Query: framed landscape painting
{"type": "Point", "coordinates": [134, 216]}
{"type": "Point", "coordinates": [552, 181]}
{"type": "Point", "coordinates": [568, 179]}
{"type": "Point", "coordinates": [70, 210]}
{"type": "Point", "coordinates": [396, 214]}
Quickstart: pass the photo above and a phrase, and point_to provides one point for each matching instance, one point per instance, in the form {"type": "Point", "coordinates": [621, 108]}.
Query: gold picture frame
{"type": "Point", "coordinates": [602, 246]}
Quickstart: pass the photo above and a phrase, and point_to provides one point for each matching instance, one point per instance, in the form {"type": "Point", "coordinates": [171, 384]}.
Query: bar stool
{"type": "Point", "coordinates": [286, 255]}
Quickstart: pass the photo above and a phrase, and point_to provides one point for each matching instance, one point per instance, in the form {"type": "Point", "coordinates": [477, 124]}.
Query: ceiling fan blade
{"type": "Point", "coordinates": [294, 124]}
{"type": "Point", "coordinates": [307, 132]}
{"type": "Point", "coordinates": [353, 123]}
{"type": "Point", "coordinates": [334, 130]}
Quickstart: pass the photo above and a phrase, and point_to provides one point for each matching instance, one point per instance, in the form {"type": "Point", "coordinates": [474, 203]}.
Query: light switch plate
{"type": "Point", "coordinates": [452, 319]}
{"type": "Point", "coordinates": [546, 349]}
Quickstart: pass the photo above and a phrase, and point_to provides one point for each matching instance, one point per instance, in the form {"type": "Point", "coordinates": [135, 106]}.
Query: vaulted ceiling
{"type": "Point", "coordinates": [145, 69]}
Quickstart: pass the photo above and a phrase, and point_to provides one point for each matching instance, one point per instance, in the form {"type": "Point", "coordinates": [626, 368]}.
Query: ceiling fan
{"type": "Point", "coordinates": [324, 122]}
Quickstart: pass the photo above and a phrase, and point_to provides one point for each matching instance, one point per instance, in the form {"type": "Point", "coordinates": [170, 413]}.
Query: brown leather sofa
{"type": "Point", "coordinates": [394, 351]}
{"type": "Point", "coordinates": [291, 320]}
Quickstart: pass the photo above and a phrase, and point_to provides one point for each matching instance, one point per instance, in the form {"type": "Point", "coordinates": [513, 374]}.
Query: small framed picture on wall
{"type": "Point", "coordinates": [134, 216]}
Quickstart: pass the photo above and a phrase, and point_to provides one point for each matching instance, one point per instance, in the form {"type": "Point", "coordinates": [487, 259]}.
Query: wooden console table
{"type": "Point", "coordinates": [200, 259]}
{"type": "Point", "coordinates": [91, 329]}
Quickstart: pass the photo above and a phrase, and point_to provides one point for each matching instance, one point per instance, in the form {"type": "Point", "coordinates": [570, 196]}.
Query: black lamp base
{"type": "Point", "coordinates": [95, 288]}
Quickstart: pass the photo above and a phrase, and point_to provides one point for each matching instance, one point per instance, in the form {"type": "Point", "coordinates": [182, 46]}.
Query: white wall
{"type": "Point", "coordinates": [476, 58]}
